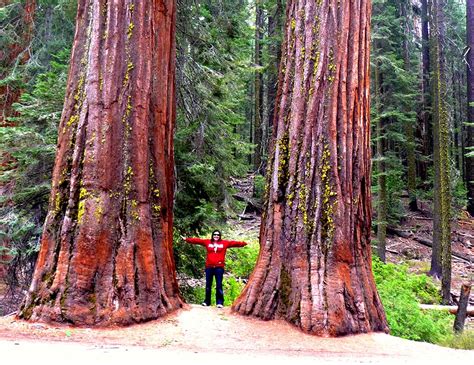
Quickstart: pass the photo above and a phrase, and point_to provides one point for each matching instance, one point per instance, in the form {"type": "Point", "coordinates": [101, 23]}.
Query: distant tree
{"type": "Point", "coordinates": [410, 145]}
{"type": "Point", "coordinates": [470, 104]}
{"type": "Point", "coordinates": [425, 110]}
{"type": "Point", "coordinates": [314, 267]}
{"type": "Point", "coordinates": [17, 33]}
{"type": "Point", "coordinates": [441, 254]}
{"type": "Point", "coordinates": [106, 248]}
{"type": "Point", "coordinates": [258, 88]}
{"type": "Point", "coordinates": [275, 28]}
{"type": "Point", "coordinates": [381, 170]}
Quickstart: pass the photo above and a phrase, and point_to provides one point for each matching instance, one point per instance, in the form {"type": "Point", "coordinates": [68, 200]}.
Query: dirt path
{"type": "Point", "coordinates": [201, 334]}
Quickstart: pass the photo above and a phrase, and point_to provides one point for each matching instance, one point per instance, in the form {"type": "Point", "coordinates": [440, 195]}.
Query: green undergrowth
{"type": "Point", "coordinates": [401, 292]}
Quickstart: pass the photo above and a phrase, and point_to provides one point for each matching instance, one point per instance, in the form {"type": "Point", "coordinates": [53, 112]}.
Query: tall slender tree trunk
{"type": "Point", "coordinates": [425, 118]}
{"type": "Point", "coordinates": [381, 171]}
{"type": "Point", "coordinates": [470, 104]}
{"type": "Point", "coordinates": [441, 256]}
{"type": "Point", "coordinates": [314, 267]}
{"type": "Point", "coordinates": [456, 115]}
{"type": "Point", "coordinates": [275, 25]}
{"type": "Point", "coordinates": [461, 101]}
{"type": "Point", "coordinates": [409, 127]}
{"type": "Point", "coordinates": [258, 82]}
{"type": "Point", "coordinates": [106, 250]}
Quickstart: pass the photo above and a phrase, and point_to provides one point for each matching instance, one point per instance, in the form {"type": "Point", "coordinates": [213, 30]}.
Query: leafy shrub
{"type": "Point", "coordinates": [241, 262]}
{"type": "Point", "coordinates": [400, 293]}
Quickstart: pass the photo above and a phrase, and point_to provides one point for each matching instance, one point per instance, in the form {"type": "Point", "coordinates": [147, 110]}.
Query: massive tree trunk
{"type": "Point", "coordinates": [314, 267]}
{"type": "Point", "coordinates": [470, 104]}
{"type": "Point", "coordinates": [441, 255]}
{"type": "Point", "coordinates": [106, 250]}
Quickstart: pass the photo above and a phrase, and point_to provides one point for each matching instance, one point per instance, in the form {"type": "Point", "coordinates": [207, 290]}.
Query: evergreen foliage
{"type": "Point", "coordinates": [29, 150]}
{"type": "Point", "coordinates": [213, 58]}
{"type": "Point", "coordinates": [397, 99]}
{"type": "Point", "coordinates": [52, 34]}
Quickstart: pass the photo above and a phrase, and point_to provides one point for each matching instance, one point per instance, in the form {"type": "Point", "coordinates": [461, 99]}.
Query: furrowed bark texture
{"type": "Point", "coordinates": [441, 254]}
{"type": "Point", "coordinates": [314, 266]}
{"type": "Point", "coordinates": [106, 251]}
{"type": "Point", "coordinates": [470, 103]}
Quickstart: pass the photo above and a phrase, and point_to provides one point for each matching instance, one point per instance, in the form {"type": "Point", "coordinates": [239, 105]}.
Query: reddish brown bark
{"type": "Point", "coordinates": [314, 266]}
{"type": "Point", "coordinates": [106, 251]}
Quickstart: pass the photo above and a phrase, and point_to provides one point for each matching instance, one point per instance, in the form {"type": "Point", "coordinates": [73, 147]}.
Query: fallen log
{"type": "Point", "coordinates": [467, 235]}
{"type": "Point", "coordinates": [399, 232]}
{"type": "Point", "coordinates": [453, 309]}
{"type": "Point", "coordinates": [427, 242]}
{"type": "Point", "coordinates": [252, 204]}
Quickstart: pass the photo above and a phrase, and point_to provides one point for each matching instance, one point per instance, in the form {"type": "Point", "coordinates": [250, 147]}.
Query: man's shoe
{"type": "Point", "coordinates": [220, 306]}
{"type": "Point", "coordinates": [204, 304]}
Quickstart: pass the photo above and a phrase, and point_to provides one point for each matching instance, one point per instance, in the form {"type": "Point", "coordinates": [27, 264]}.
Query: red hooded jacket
{"type": "Point", "coordinates": [215, 250]}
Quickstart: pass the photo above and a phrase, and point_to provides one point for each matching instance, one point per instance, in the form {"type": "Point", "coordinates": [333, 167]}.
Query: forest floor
{"type": "Point", "coordinates": [206, 333]}
{"type": "Point", "coordinates": [408, 250]}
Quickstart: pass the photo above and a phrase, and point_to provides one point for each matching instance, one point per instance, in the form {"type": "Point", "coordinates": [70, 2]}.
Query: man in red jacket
{"type": "Point", "coordinates": [215, 261]}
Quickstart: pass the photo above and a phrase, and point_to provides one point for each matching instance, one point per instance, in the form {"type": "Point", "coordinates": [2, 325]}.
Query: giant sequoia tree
{"type": "Point", "coordinates": [106, 254]}
{"type": "Point", "coordinates": [314, 267]}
